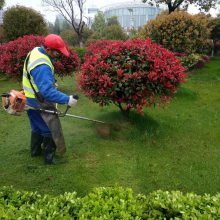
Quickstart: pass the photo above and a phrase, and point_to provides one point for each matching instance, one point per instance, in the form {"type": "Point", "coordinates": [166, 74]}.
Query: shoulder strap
{"type": "Point", "coordinates": [37, 94]}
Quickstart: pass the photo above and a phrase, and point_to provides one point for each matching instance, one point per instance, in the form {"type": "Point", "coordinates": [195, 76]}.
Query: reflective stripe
{"type": "Point", "coordinates": [38, 62]}
{"type": "Point", "coordinates": [28, 89]}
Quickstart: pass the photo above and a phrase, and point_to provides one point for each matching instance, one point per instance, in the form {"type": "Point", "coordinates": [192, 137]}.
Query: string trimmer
{"type": "Point", "coordinates": [14, 103]}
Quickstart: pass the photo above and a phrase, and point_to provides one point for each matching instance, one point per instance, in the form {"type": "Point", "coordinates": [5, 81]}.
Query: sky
{"type": "Point", "coordinates": [50, 15]}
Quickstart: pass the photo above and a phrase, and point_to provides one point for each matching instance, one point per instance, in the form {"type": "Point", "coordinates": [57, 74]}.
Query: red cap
{"type": "Point", "coordinates": [54, 41]}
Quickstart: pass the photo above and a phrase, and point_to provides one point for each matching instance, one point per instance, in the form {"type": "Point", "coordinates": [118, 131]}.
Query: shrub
{"type": "Point", "coordinates": [215, 24]}
{"type": "Point", "coordinates": [133, 73]}
{"type": "Point", "coordinates": [81, 52]}
{"type": "Point", "coordinates": [115, 32]}
{"type": "Point", "coordinates": [13, 54]}
{"type": "Point", "coordinates": [66, 65]}
{"type": "Point", "coordinates": [2, 35]}
{"type": "Point", "coordinates": [192, 61]}
{"type": "Point", "coordinates": [19, 21]}
{"type": "Point", "coordinates": [108, 204]}
{"type": "Point", "coordinates": [180, 32]}
{"type": "Point", "coordinates": [71, 37]}
{"type": "Point", "coordinates": [95, 46]}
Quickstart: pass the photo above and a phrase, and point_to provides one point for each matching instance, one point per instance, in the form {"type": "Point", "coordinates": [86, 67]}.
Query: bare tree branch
{"type": "Point", "coordinates": [172, 5]}
{"type": "Point", "coordinates": [69, 9]}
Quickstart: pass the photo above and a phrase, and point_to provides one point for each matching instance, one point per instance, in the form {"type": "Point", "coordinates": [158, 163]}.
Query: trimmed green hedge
{"type": "Point", "coordinates": [108, 203]}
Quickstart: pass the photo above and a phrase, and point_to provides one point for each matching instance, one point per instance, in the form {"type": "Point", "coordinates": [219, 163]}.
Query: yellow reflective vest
{"type": "Point", "coordinates": [36, 58]}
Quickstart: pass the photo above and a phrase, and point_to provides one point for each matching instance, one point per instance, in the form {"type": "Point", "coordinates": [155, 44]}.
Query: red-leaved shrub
{"type": "Point", "coordinates": [13, 54]}
{"type": "Point", "coordinates": [131, 74]}
{"type": "Point", "coordinates": [95, 47]}
{"type": "Point", "coordinates": [66, 65]}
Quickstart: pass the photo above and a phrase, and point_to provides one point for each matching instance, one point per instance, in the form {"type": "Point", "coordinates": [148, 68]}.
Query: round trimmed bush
{"type": "Point", "coordinates": [180, 32]}
{"type": "Point", "coordinates": [131, 74]}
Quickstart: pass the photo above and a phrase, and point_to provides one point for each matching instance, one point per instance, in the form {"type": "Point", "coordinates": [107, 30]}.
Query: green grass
{"type": "Point", "coordinates": [176, 148]}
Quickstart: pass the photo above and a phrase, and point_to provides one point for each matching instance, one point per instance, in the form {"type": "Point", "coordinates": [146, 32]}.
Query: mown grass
{"type": "Point", "coordinates": [176, 148]}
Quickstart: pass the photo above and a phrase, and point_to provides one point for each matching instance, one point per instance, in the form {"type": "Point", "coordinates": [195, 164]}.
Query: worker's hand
{"type": "Point", "coordinates": [72, 101]}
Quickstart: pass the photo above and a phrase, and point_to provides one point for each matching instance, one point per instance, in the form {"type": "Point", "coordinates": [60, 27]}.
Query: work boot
{"type": "Point", "coordinates": [36, 141]}
{"type": "Point", "coordinates": [49, 150]}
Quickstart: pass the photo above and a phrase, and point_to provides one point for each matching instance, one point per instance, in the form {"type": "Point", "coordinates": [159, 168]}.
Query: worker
{"type": "Point", "coordinates": [41, 93]}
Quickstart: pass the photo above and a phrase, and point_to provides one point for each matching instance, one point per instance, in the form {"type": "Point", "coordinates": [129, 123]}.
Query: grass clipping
{"type": "Point", "coordinates": [103, 130]}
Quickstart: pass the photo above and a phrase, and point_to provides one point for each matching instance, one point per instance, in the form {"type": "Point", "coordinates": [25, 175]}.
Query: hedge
{"type": "Point", "coordinates": [108, 203]}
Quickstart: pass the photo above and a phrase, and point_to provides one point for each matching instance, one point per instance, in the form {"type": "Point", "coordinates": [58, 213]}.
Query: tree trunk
{"type": "Point", "coordinates": [124, 111]}
{"type": "Point", "coordinates": [81, 44]}
{"type": "Point", "coordinates": [80, 41]}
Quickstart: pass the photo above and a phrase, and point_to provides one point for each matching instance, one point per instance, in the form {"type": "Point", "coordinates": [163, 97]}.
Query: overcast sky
{"type": "Point", "coordinates": [50, 15]}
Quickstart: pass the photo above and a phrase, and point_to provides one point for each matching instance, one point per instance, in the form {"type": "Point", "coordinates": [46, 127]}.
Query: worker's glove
{"type": "Point", "coordinates": [72, 101]}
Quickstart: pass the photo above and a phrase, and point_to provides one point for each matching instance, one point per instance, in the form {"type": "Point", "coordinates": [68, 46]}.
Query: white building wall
{"type": "Point", "coordinates": [131, 14]}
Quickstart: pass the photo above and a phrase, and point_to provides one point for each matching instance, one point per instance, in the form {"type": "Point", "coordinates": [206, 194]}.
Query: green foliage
{"type": "Point", "coordinates": [57, 26]}
{"type": "Point", "coordinates": [81, 52]}
{"type": "Point", "coordinates": [115, 32]}
{"type": "Point", "coordinates": [193, 61]}
{"type": "Point", "coordinates": [61, 25]}
{"type": "Point", "coordinates": [99, 26]}
{"type": "Point", "coordinates": [2, 35]}
{"type": "Point", "coordinates": [20, 20]}
{"type": "Point", "coordinates": [133, 33]}
{"type": "Point", "coordinates": [108, 204]}
{"type": "Point", "coordinates": [180, 32]}
{"type": "Point", "coordinates": [112, 21]}
{"type": "Point", "coordinates": [110, 30]}
{"type": "Point", "coordinates": [215, 24]}
{"type": "Point", "coordinates": [2, 3]}
{"type": "Point", "coordinates": [176, 205]}
{"type": "Point", "coordinates": [50, 27]}
{"type": "Point", "coordinates": [71, 37]}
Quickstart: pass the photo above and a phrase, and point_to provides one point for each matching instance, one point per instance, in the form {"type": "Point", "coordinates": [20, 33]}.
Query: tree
{"type": "Point", "coordinates": [215, 24]}
{"type": "Point", "coordinates": [99, 26]}
{"type": "Point", "coordinates": [50, 27]}
{"type": "Point", "coordinates": [115, 32]}
{"type": "Point", "coordinates": [2, 3]}
{"type": "Point", "coordinates": [69, 9]}
{"type": "Point", "coordinates": [57, 26]}
{"type": "Point", "coordinates": [112, 21]}
{"type": "Point", "coordinates": [110, 30]}
{"type": "Point", "coordinates": [71, 38]}
{"type": "Point", "coordinates": [19, 21]}
{"type": "Point", "coordinates": [204, 5]}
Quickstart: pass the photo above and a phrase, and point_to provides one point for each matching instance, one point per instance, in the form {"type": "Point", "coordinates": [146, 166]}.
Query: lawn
{"type": "Point", "coordinates": [171, 148]}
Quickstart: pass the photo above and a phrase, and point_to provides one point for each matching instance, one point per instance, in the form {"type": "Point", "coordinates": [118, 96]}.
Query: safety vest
{"type": "Point", "coordinates": [36, 58]}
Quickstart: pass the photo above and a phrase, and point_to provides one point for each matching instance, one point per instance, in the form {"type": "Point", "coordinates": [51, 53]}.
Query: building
{"type": "Point", "coordinates": [131, 14]}
{"type": "Point", "coordinates": [1, 17]}
{"type": "Point", "coordinates": [90, 14]}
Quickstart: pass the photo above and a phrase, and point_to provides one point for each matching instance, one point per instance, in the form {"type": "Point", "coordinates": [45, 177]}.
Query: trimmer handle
{"type": "Point", "coordinates": [75, 96]}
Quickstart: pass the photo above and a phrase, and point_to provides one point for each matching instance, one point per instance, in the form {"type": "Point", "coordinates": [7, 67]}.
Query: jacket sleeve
{"type": "Point", "coordinates": [44, 79]}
